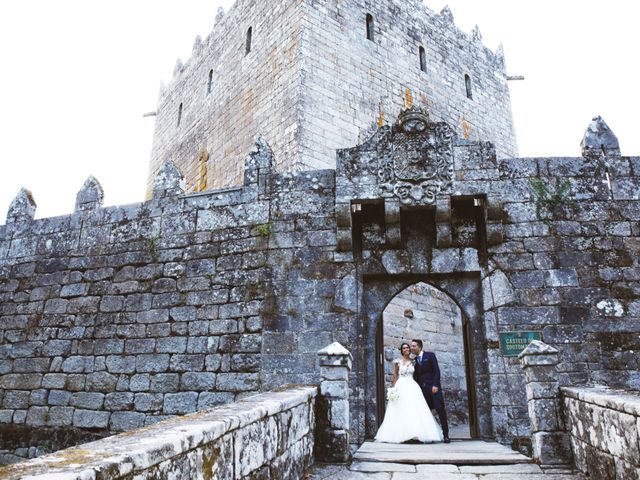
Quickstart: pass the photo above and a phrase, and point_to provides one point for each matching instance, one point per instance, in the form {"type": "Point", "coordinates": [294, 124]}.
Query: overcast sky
{"type": "Point", "coordinates": [77, 75]}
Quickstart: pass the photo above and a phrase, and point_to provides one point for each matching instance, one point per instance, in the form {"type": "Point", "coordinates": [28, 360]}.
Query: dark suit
{"type": "Point", "coordinates": [427, 374]}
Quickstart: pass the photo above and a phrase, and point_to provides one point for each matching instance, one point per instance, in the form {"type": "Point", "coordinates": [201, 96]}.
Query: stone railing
{"type": "Point", "coordinates": [270, 435]}
{"type": "Point", "coordinates": [604, 427]}
{"type": "Point", "coordinates": [548, 436]}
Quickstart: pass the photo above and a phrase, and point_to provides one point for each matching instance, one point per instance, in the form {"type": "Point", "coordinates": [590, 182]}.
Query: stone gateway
{"type": "Point", "coordinates": [115, 318]}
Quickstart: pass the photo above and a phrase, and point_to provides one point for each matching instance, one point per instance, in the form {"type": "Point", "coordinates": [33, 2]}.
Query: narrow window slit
{"type": "Point", "coordinates": [369, 27]}
{"type": "Point", "coordinates": [248, 44]}
{"type": "Point", "coordinates": [423, 60]}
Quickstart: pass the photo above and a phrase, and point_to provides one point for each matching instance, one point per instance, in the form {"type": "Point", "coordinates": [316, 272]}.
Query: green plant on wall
{"type": "Point", "coordinates": [152, 248]}
{"type": "Point", "coordinates": [548, 199]}
{"type": "Point", "coordinates": [264, 229]}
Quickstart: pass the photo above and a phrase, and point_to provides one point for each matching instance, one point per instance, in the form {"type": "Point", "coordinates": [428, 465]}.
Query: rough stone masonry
{"type": "Point", "coordinates": [311, 77]}
{"type": "Point", "coordinates": [113, 318]}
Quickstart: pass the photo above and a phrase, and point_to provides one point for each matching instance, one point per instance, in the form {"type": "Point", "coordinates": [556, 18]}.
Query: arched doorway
{"type": "Point", "coordinates": [378, 291]}
{"type": "Point", "coordinates": [421, 311]}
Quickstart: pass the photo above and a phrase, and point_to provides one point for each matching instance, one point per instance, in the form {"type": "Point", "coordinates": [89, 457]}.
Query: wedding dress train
{"type": "Point", "coordinates": [408, 417]}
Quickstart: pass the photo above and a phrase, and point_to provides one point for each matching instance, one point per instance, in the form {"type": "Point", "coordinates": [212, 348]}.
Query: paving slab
{"type": "Point", "coordinates": [527, 476]}
{"type": "Point", "coordinates": [381, 467]}
{"type": "Point", "coordinates": [461, 452]}
{"type": "Point", "coordinates": [433, 476]}
{"type": "Point", "coordinates": [437, 468]}
{"type": "Point", "coordinates": [516, 468]}
{"type": "Point", "coordinates": [342, 472]}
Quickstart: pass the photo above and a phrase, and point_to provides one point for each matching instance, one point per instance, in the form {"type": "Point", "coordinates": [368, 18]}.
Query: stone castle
{"type": "Point", "coordinates": [116, 318]}
{"type": "Point", "coordinates": [314, 76]}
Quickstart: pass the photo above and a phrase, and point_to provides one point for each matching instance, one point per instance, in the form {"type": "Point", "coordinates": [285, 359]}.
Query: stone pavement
{"type": "Point", "coordinates": [398, 471]}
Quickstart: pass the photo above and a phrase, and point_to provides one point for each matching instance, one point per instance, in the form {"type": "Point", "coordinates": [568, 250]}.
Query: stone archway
{"type": "Point", "coordinates": [421, 311]}
{"type": "Point", "coordinates": [465, 290]}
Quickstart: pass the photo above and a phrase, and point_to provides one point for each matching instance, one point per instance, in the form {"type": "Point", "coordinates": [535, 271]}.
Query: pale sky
{"type": "Point", "coordinates": [77, 75]}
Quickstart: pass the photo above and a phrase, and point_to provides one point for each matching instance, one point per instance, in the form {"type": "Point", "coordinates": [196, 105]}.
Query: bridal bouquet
{"type": "Point", "coordinates": [392, 394]}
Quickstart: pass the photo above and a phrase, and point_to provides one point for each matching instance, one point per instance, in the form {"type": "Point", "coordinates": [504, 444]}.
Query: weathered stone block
{"type": "Point", "coordinates": [164, 382]}
{"type": "Point", "coordinates": [255, 445]}
{"type": "Point", "coordinates": [148, 402]}
{"type": "Point", "coordinates": [180, 403]}
{"type": "Point", "coordinates": [552, 448]}
{"type": "Point", "coordinates": [198, 381]}
{"type": "Point", "coordinates": [37, 416]}
{"type": "Point", "coordinates": [19, 381]}
{"type": "Point", "coordinates": [152, 363]}
{"type": "Point", "coordinates": [139, 382]}
{"type": "Point", "coordinates": [59, 397]}
{"type": "Point", "coordinates": [171, 345]}
{"type": "Point", "coordinates": [60, 416]}
{"type": "Point", "coordinates": [332, 446]}
{"type": "Point", "coordinates": [122, 421]}
{"type": "Point", "coordinates": [118, 401]}
{"type": "Point", "coordinates": [237, 382]}
{"type": "Point", "coordinates": [87, 400]}
{"type": "Point", "coordinates": [212, 399]}
{"type": "Point", "coordinates": [187, 363]}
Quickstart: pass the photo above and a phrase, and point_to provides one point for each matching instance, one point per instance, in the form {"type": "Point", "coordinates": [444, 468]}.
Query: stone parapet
{"type": "Point", "coordinates": [549, 440]}
{"type": "Point", "coordinates": [262, 436]}
{"type": "Point", "coordinates": [604, 429]}
{"type": "Point", "coordinates": [332, 435]}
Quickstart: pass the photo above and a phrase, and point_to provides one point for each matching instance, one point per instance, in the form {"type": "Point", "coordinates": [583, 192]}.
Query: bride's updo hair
{"type": "Point", "coordinates": [402, 346]}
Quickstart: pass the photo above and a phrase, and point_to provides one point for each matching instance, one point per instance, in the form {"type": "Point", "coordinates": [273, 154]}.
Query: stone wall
{"type": "Point", "coordinates": [313, 83]}
{"type": "Point", "coordinates": [604, 427]}
{"type": "Point", "coordinates": [264, 436]}
{"type": "Point", "coordinates": [426, 313]}
{"type": "Point", "coordinates": [114, 318]}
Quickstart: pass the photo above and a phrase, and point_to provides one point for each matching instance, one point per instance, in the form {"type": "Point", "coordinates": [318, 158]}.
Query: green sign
{"type": "Point", "coordinates": [512, 343]}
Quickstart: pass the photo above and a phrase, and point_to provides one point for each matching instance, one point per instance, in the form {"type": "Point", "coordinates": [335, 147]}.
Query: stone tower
{"type": "Point", "coordinates": [312, 76]}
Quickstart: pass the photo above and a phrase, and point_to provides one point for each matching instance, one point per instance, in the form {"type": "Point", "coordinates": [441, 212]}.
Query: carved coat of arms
{"type": "Point", "coordinates": [416, 159]}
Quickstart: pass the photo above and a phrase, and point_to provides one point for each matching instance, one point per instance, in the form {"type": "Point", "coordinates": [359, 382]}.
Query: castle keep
{"type": "Point", "coordinates": [115, 318]}
{"type": "Point", "coordinates": [313, 76]}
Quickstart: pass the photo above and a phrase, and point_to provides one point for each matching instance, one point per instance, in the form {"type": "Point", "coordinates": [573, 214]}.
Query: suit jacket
{"type": "Point", "coordinates": [427, 372]}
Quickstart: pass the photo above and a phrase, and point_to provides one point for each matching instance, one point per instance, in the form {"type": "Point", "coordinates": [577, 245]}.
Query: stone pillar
{"type": "Point", "coordinates": [550, 441]}
{"type": "Point", "coordinates": [332, 411]}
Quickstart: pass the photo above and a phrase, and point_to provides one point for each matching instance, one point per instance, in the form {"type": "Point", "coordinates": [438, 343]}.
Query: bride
{"type": "Point", "coordinates": [408, 417]}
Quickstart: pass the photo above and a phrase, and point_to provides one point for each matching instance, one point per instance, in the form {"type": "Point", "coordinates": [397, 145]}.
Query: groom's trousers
{"type": "Point", "coordinates": [436, 400]}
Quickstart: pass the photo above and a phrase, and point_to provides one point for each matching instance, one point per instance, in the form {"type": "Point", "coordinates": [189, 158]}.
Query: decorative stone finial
{"type": "Point", "coordinates": [334, 349]}
{"type": "Point", "coordinates": [476, 35]}
{"type": "Point", "coordinates": [260, 157]}
{"type": "Point", "coordinates": [219, 14]}
{"type": "Point", "coordinates": [446, 14]}
{"type": "Point", "coordinates": [178, 68]}
{"type": "Point", "coordinates": [537, 347]}
{"type": "Point", "coordinates": [197, 46]}
{"type": "Point", "coordinates": [90, 196]}
{"type": "Point", "coordinates": [23, 207]}
{"type": "Point", "coordinates": [599, 140]}
{"type": "Point", "coordinates": [168, 181]}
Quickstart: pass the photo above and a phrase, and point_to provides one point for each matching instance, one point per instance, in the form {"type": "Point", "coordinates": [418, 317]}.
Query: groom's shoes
{"type": "Point", "coordinates": [446, 439]}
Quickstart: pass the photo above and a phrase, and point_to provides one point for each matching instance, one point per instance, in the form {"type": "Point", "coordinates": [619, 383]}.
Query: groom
{"type": "Point", "coordinates": [427, 375]}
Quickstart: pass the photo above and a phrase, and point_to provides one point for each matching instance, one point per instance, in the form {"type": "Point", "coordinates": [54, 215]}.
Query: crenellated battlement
{"type": "Point", "coordinates": [305, 75]}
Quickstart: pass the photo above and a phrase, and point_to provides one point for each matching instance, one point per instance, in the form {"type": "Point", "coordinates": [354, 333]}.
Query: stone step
{"type": "Point", "coordinates": [458, 452]}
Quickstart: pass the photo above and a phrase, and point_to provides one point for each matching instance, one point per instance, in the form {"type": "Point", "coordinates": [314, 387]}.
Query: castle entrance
{"type": "Point", "coordinates": [445, 311]}
{"type": "Point", "coordinates": [423, 312]}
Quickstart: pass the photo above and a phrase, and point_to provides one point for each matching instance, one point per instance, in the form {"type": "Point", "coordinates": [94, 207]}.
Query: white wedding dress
{"type": "Point", "coordinates": [408, 417]}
